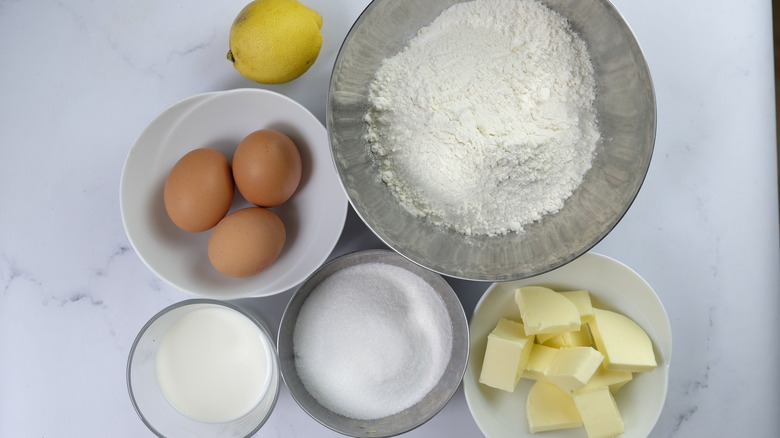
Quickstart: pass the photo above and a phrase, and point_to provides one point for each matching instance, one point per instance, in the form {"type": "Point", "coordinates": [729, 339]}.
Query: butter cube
{"type": "Point", "coordinates": [556, 341]}
{"type": "Point", "coordinates": [572, 367]}
{"type": "Point", "coordinates": [581, 299]}
{"type": "Point", "coordinates": [550, 408]}
{"type": "Point", "coordinates": [599, 413]}
{"type": "Point", "coordinates": [579, 338]}
{"type": "Point", "coordinates": [613, 379]}
{"type": "Point", "coordinates": [542, 338]}
{"type": "Point", "coordinates": [538, 361]}
{"type": "Point", "coordinates": [545, 311]}
{"type": "Point", "coordinates": [506, 355]}
{"type": "Point", "coordinates": [625, 345]}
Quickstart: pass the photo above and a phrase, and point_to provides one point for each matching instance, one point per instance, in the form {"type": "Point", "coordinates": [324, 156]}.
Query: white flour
{"type": "Point", "coordinates": [484, 123]}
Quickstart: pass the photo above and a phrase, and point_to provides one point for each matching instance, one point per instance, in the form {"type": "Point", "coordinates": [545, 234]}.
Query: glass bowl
{"type": "Point", "coordinates": [147, 392]}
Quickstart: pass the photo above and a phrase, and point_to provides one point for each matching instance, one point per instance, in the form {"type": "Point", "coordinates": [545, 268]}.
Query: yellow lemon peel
{"type": "Point", "coordinates": [275, 41]}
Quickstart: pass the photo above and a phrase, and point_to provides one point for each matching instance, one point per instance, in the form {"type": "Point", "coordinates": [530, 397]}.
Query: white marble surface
{"type": "Point", "coordinates": [80, 79]}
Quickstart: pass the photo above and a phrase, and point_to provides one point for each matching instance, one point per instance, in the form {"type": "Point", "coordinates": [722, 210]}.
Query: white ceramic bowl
{"type": "Point", "coordinates": [613, 286]}
{"type": "Point", "coordinates": [313, 217]}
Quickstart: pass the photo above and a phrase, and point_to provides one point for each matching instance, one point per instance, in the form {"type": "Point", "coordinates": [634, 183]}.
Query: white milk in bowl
{"type": "Point", "coordinates": [214, 364]}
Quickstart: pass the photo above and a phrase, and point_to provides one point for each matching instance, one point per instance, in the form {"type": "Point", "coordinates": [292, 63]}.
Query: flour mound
{"type": "Point", "coordinates": [484, 122]}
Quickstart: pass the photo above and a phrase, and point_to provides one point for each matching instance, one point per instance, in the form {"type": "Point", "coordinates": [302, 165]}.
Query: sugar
{"type": "Point", "coordinates": [372, 340]}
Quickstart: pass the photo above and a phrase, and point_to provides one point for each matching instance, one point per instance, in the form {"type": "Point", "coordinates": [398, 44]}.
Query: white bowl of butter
{"type": "Point", "coordinates": [612, 286]}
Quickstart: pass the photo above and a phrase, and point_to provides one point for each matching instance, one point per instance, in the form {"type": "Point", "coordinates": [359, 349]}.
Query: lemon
{"type": "Point", "coordinates": [275, 41]}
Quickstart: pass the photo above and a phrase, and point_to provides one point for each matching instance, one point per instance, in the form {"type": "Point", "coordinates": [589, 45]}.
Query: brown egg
{"type": "Point", "coordinates": [246, 242]}
{"type": "Point", "coordinates": [267, 167]}
{"type": "Point", "coordinates": [199, 190]}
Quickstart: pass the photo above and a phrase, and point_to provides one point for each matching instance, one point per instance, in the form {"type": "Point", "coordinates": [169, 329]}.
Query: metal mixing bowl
{"type": "Point", "coordinates": [409, 418]}
{"type": "Point", "coordinates": [625, 103]}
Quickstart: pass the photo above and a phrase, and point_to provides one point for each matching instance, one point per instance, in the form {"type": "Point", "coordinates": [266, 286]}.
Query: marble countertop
{"type": "Point", "coordinates": [81, 79]}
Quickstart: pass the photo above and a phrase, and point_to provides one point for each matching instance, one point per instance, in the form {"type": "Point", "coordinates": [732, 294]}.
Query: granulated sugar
{"type": "Point", "coordinates": [372, 340]}
{"type": "Point", "coordinates": [484, 122]}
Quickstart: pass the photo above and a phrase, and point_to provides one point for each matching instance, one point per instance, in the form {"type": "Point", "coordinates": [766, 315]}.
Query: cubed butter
{"type": "Point", "coordinates": [625, 345]}
{"type": "Point", "coordinates": [506, 355]}
{"type": "Point", "coordinates": [545, 311]}
{"type": "Point", "coordinates": [550, 408]}
{"type": "Point", "coordinates": [541, 338]}
{"type": "Point", "coordinates": [579, 338]}
{"type": "Point", "coordinates": [599, 412]}
{"type": "Point", "coordinates": [581, 299]}
{"type": "Point", "coordinates": [602, 377]}
{"type": "Point", "coordinates": [556, 341]}
{"type": "Point", "coordinates": [538, 361]}
{"type": "Point", "coordinates": [572, 367]}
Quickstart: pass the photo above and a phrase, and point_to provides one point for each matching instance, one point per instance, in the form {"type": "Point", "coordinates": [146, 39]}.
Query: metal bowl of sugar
{"type": "Point", "coordinates": [500, 173]}
{"type": "Point", "coordinates": [373, 345]}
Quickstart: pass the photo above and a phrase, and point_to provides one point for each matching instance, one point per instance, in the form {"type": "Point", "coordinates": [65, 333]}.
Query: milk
{"type": "Point", "coordinates": [213, 364]}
